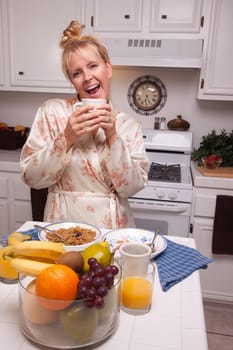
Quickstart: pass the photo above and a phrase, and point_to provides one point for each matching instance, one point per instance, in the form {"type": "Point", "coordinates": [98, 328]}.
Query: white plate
{"type": "Point", "coordinates": [123, 235]}
{"type": "Point", "coordinates": [64, 224]}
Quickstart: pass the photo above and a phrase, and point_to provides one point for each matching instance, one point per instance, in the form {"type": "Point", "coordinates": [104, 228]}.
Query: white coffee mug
{"type": "Point", "coordinates": [138, 252]}
{"type": "Point", "coordinates": [90, 102]}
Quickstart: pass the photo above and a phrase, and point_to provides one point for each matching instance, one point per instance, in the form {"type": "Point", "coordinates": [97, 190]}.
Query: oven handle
{"type": "Point", "coordinates": [160, 207]}
{"type": "Point", "coordinates": [175, 209]}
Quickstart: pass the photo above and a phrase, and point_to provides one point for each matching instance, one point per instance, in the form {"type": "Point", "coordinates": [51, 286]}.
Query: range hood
{"type": "Point", "coordinates": [183, 53]}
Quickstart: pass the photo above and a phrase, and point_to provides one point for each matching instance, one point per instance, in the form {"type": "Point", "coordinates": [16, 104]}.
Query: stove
{"type": "Point", "coordinates": [165, 203]}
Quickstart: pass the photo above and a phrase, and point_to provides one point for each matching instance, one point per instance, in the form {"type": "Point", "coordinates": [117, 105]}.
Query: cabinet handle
{"type": "Point", "coordinates": [202, 83]}
{"type": "Point", "coordinates": [202, 21]}
{"type": "Point", "coordinates": [127, 16]}
{"type": "Point", "coordinates": [164, 16]}
{"type": "Point", "coordinates": [21, 73]}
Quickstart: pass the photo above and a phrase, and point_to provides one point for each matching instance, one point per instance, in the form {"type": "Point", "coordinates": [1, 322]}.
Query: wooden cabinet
{"type": "Point", "coordinates": [15, 203]}
{"type": "Point", "coordinates": [216, 81]}
{"type": "Point", "coordinates": [34, 29]}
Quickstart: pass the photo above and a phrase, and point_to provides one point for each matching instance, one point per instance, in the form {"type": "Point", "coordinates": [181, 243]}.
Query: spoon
{"type": "Point", "coordinates": [153, 239]}
{"type": "Point", "coordinates": [44, 228]}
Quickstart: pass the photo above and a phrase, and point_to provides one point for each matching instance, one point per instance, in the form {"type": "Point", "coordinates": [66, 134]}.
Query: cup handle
{"type": "Point", "coordinates": [77, 104]}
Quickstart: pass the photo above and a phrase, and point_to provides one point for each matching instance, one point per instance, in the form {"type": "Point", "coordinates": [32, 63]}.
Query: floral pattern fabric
{"type": "Point", "coordinates": [91, 182]}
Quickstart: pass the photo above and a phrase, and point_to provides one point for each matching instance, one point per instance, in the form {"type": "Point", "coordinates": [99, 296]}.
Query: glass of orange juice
{"type": "Point", "coordinates": [137, 288]}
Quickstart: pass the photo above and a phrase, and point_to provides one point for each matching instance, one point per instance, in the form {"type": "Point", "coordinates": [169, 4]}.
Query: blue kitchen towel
{"type": "Point", "coordinates": [178, 262]}
{"type": "Point", "coordinates": [32, 232]}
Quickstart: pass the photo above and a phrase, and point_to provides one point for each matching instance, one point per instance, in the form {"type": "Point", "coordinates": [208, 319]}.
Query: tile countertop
{"type": "Point", "coordinates": [175, 322]}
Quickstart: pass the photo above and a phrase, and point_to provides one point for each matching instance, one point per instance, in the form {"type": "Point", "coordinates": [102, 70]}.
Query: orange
{"type": "Point", "coordinates": [6, 271]}
{"type": "Point", "coordinates": [57, 285]}
{"type": "Point", "coordinates": [136, 292]}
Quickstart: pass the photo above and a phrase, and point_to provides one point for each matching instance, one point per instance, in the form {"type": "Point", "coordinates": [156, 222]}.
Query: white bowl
{"type": "Point", "coordinates": [65, 225]}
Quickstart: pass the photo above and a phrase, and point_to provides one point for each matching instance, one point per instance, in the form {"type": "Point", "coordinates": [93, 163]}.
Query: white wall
{"type": "Point", "coordinates": [181, 84]}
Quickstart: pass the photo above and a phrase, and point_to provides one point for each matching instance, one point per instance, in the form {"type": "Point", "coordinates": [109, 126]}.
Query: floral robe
{"type": "Point", "coordinates": [91, 182]}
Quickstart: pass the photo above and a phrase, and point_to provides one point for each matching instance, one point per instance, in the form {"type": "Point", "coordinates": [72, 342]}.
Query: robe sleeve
{"type": "Point", "coordinates": [44, 157]}
{"type": "Point", "coordinates": [126, 160]}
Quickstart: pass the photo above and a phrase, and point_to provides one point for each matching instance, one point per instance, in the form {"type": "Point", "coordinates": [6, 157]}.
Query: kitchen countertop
{"type": "Point", "coordinates": [9, 160]}
{"type": "Point", "coordinates": [175, 322]}
{"type": "Point", "coordinates": [201, 180]}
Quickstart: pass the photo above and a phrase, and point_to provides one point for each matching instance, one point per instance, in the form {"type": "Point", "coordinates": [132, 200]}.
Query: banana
{"type": "Point", "coordinates": [17, 237]}
{"type": "Point", "coordinates": [27, 266]}
{"type": "Point", "coordinates": [36, 250]}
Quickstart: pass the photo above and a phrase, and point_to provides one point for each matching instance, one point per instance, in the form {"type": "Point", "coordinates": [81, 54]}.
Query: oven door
{"type": "Point", "coordinates": [170, 218]}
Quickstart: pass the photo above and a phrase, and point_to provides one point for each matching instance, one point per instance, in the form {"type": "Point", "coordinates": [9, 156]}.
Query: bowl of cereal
{"type": "Point", "coordinates": [74, 235]}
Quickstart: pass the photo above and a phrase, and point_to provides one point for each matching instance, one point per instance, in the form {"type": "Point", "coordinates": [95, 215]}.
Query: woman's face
{"type": "Point", "coordinates": [89, 74]}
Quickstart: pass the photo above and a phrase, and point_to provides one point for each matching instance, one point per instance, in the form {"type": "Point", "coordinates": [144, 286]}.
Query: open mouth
{"type": "Point", "coordinates": [93, 90]}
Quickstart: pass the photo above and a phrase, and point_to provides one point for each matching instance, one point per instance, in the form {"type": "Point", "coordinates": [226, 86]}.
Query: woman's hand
{"type": "Point", "coordinates": [88, 119]}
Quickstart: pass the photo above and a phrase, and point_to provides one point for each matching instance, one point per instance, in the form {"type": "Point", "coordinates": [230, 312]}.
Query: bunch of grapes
{"type": "Point", "coordinates": [94, 285]}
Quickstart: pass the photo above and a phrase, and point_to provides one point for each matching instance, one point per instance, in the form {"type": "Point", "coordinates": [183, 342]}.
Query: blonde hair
{"type": "Point", "coordinates": [73, 40]}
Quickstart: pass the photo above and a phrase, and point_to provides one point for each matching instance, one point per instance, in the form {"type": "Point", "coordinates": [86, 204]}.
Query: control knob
{"type": "Point", "coordinates": [172, 196]}
{"type": "Point", "coordinates": [160, 194]}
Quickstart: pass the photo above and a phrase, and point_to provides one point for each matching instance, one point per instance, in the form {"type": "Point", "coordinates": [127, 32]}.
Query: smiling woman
{"type": "Point", "coordinates": [91, 159]}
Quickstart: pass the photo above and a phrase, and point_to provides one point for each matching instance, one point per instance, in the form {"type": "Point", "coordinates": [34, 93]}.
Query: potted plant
{"type": "Point", "coordinates": [215, 149]}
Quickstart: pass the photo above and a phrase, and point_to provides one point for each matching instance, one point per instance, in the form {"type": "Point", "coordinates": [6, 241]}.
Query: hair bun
{"type": "Point", "coordinates": [71, 33]}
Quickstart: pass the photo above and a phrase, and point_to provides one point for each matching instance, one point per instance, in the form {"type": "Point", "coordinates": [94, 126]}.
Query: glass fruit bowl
{"type": "Point", "coordinates": [72, 326]}
{"type": "Point", "coordinates": [212, 162]}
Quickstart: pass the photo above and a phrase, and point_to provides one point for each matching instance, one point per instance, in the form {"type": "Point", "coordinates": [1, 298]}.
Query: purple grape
{"type": "Point", "coordinates": [88, 281]}
{"type": "Point", "coordinates": [108, 268]}
{"type": "Point", "coordinates": [114, 270]}
{"type": "Point", "coordinates": [82, 291]}
{"type": "Point", "coordinates": [95, 265]}
{"type": "Point", "coordinates": [102, 291]}
{"type": "Point", "coordinates": [103, 281]}
{"type": "Point", "coordinates": [91, 274]}
{"type": "Point", "coordinates": [97, 282]}
{"type": "Point", "coordinates": [109, 276]}
{"type": "Point", "coordinates": [91, 294]}
{"type": "Point", "coordinates": [99, 271]}
{"type": "Point", "coordinates": [91, 261]}
{"type": "Point", "coordinates": [99, 302]}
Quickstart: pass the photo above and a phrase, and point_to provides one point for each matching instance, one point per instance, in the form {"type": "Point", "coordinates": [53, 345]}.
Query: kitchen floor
{"type": "Point", "coordinates": [219, 325]}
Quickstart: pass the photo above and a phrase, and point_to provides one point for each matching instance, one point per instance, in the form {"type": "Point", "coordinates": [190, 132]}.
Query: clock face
{"type": "Point", "coordinates": [147, 95]}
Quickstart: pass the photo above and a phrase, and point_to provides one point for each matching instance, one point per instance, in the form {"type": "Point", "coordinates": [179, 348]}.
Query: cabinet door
{"type": "Point", "coordinates": [175, 16]}
{"type": "Point", "coordinates": [116, 16]}
{"type": "Point", "coordinates": [1, 45]}
{"type": "Point", "coordinates": [4, 205]}
{"type": "Point", "coordinates": [214, 280]}
{"type": "Point", "coordinates": [216, 81]}
{"type": "Point", "coordinates": [35, 30]}
{"type": "Point", "coordinates": [4, 219]}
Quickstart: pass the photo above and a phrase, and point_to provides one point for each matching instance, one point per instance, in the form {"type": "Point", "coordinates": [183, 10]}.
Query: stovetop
{"type": "Point", "coordinates": [164, 172]}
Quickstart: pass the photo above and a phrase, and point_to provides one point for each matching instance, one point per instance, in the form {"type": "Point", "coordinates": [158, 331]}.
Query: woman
{"type": "Point", "coordinates": [90, 159]}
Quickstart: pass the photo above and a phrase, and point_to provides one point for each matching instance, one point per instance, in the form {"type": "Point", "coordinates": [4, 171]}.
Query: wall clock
{"type": "Point", "coordinates": [147, 95]}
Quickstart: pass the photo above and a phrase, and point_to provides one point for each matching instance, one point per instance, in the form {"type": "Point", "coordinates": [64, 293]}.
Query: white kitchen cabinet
{"type": "Point", "coordinates": [115, 16]}
{"type": "Point", "coordinates": [2, 59]}
{"type": "Point", "coordinates": [216, 280]}
{"type": "Point", "coordinates": [216, 82]}
{"type": "Point", "coordinates": [169, 16]}
{"type": "Point", "coordinates": [15, 202]}
{"type": "Point", "coordinates": [34, 30]}
{"type": "Point", "coordinates": [145, 16]}
{"type": "Point", "coordinates": [4, 208]}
